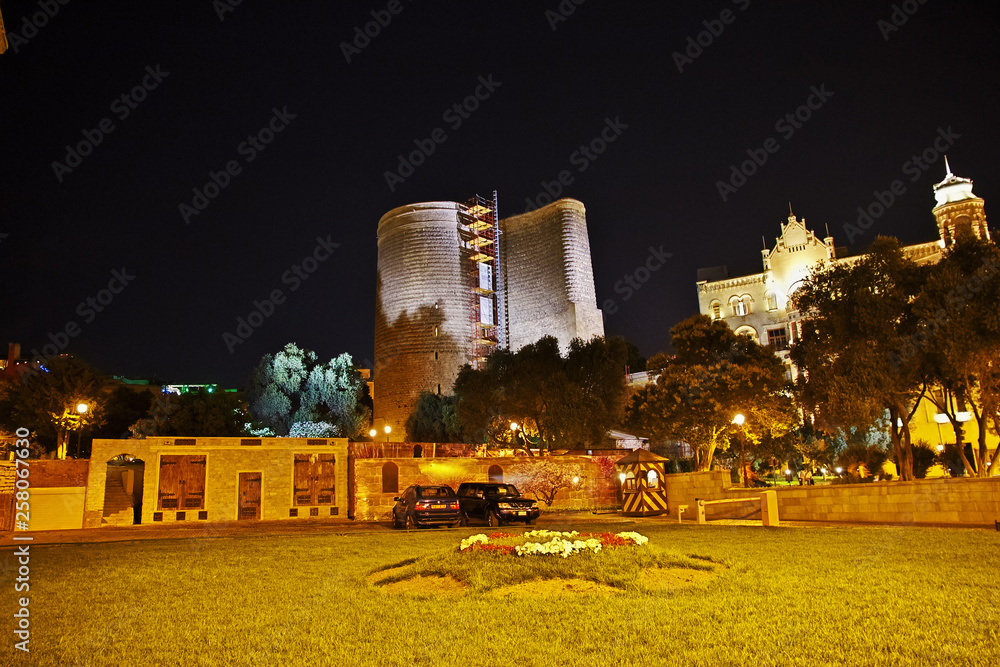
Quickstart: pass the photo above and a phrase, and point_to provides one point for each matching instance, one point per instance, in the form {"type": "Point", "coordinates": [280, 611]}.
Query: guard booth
{"type": "Point", "coordinates": [644, 491]}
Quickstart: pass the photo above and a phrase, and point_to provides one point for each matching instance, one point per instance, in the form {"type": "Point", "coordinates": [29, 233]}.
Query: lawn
{"type": "Point", "coordinates": [788, 596]}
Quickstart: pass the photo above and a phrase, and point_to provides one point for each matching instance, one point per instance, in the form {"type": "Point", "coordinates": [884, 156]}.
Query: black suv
{"type": "Point", "coordinates": [494, 503]}
{"type": "Point", "coordinates": [425, 506]}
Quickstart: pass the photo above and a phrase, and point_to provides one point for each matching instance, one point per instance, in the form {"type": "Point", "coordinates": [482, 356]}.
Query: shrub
{"type": "Point", "coordinates": [923, 458]}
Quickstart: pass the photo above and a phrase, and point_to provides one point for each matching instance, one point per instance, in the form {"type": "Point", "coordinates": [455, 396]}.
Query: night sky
{"type": "Point", "coordinates": [212, 83]}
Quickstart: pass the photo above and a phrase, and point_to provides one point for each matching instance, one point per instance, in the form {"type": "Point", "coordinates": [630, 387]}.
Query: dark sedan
{"type": "Point", "coordinates": [495, 503]}
{"type": "Point", "coordinates": [421, 506]}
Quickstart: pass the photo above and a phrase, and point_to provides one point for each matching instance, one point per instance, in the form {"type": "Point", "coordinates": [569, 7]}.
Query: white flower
{"type": "Point", "coordinates": [475, 539]}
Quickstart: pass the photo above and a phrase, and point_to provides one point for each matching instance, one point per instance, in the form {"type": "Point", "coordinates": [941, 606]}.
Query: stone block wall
{"type": "Point", "coordinates": [961, 501]}
{"type": "Point", "coordinates": [549, 275]}
{"type": "Point", "coordinates": [372, 504]}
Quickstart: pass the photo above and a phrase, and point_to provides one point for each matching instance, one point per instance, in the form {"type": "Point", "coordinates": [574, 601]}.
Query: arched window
{"type": "Point", "coordinates": [716, 310]}
{"type": "Point", "coordinates": [748, 331]}
{"type": "Point", "coordinates": [652, 479]}
{"type": "Point", "coordinates": [390, 477]}
{"type": "Point", "coordinates": [772, 301]}
{"type": "Point", "coordinates": [496, 474]}
{"type": "Point", "coordinates": [418, 451]}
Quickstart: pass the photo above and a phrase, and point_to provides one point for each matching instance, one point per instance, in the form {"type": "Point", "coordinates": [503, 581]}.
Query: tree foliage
{"type": "Point", "coordinates": [713, 376]}
{"type": "Point", "coordinates": [434, 420]}
{"type": "Point", "coordinates": [558, 402]}
{"type": "Point", "coordinates": [544, 478]}
{"type": "Point", "coordinates": [195, 414]}
{"type": "Point", "coordinates": [859, 324]}
{"type": "Point", "coordinates": [45, 400]}
{"type": "Point", "coordinates": [957, 339]}
{"type": "Point", "coordinates": [293, 387]}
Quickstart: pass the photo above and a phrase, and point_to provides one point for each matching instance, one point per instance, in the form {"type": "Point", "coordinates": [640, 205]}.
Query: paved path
{"type": "Point", "coordinates": [279, 528]}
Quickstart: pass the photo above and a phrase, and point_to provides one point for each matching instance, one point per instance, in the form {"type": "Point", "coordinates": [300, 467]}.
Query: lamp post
{"type": "Point", "coordinates": [81, 409]}
{"type": "Point", "coordinates": [738, 420]}
{"type": "Point", "coordinates": [388, 430]}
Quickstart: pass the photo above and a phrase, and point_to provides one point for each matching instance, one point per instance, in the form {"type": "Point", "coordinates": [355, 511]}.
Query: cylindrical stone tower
{"type": "Point", "coordinates": [549, 276]}
{"type": "Point", "coordinates": [422, 325]}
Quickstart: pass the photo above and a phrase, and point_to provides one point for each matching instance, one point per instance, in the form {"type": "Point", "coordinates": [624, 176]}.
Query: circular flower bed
{"type": "Point", "coordinates": [556, 544]}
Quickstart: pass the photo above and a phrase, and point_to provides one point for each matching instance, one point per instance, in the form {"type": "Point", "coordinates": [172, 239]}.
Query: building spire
{"type": "Point", "coordinates": [947, 167]}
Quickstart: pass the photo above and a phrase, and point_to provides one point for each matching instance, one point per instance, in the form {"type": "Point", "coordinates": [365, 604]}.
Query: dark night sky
{"type": "Point", "coordinates": [322, 176]}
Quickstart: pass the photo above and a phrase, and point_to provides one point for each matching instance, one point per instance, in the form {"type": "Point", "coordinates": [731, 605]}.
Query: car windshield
{"type": "Point", "coordinates": [505, 491]}
{"type": "Point", "coordinates": [435, 492]}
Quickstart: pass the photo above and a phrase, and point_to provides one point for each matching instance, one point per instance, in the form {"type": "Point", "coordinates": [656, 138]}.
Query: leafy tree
{"type": "Point", "coordinates": [196, 414]}
{"type": "Point", "coordinates": [124, 408]}
{"type": "Point", "coordinates": [434, 420]}
{"type": "Point", "coordinates": [714, 376]}
{"type": "Point", "coordinates": [46, 401]}
{"type": "Point", "coordinates": [957, 338]}
{"type": "Point", "coordinates": [859, 319]}
{"type": "Point", "coordinates": [292, 387]}
{"type": "Point", "coordinates": [556, 401]}
{"type": "Point", "coordinates": [545, 478]}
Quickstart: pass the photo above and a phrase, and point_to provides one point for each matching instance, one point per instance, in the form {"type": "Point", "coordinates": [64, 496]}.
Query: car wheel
{"type": "Point", "coordinates": [493, 519]}
{"type": "Point", "coordinates": [463, 519]}
{"type": "Point", "coordinates": [410, 523]}
{"type": "Point", "coordinates": [395, 521]}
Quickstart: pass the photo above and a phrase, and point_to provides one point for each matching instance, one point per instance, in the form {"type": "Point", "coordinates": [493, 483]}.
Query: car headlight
{"type": "Point", "coordinates": [503, 506]}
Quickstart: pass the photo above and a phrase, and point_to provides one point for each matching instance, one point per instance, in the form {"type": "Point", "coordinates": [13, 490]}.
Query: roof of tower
{"type": "Point", "coordinates": [953, 188]}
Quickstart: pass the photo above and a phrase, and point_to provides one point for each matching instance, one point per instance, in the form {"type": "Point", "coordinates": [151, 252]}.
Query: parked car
{"type": "Point", "coordinates": [494, 503]}
{"type": "Point", "coordinates": [421, 506]}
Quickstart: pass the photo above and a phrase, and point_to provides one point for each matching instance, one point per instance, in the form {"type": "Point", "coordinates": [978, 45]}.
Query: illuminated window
{"type": "Point", "coordinates": [435, 331]}
{"type": "Point", "coordinates": [772, 301]}
{"type": "Point", "coordinates": [652, 479]}
{"type": "Point", "coordinates": [739, 308]}
{"type": "Point", "coordinates": [716, 310]}
{"type": "Point", "coordinates": [629, 485]}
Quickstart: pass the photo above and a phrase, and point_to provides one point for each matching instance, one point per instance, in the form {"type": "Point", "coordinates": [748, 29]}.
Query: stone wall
{"type": "Point", "coordinates": [372, 504]}
{"type": "Point", "coordinates": [226, 458]}
{"type": "Point", "coordinates": [962, 501]}
{"type": "Point", "coordinates": [549, 275]}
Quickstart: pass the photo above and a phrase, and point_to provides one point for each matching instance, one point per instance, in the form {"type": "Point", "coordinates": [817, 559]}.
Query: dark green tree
{"type": "Point", "coordinates": [433, 420]}
{"type": "Point", "coordinates": [713, 376]}
{"type": "Point", "coordinates": [854, 346]}
{"type": "Point", "coordinates": [196, 414]}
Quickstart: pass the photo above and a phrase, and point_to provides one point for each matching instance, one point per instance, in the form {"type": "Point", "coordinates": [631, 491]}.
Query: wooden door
{"type": "Point", "coordinates": [249, 495]}
{"type": "Point", "coordinates": [326, 470]}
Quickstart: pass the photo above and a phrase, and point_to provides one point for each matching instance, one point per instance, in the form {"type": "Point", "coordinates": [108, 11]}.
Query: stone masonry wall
{"type": "Point", "coordinates": [549, 275]}
{"type": "Point", "coordinates": [963, 501]}
{"type": "Point", "coordinates": [371, 504]}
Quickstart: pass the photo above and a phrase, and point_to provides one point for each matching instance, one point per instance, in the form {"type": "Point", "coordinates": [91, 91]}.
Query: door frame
{"type": "Point", "coordinates": [239, 504]}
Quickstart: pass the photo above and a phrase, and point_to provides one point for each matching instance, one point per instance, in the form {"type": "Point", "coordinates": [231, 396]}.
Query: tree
{"type": "Point", "coordinates": [545, 478]}
{"type": "Point", "coordinates": [195, 414]}
{"type": "Point", "coordinates": [713, 376]}
{"type": "Point", "coordinates": [46, 401]}
{"type": "Point", "coordinates": [433, 420]}
{"type": "Point", "coordinates": [292, 387]}
{"type": "Point", "coordinates": [124, 408]}
{"type": "Point", "coordinates": [555, 401]}
{"type": "Point", "coordinates": [957, 338]}
{"type": "Point", "coordinates": [853, 349]}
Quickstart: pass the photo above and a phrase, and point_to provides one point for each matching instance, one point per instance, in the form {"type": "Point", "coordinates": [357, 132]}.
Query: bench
{"type": "Point", "coordinates": [768, 506]}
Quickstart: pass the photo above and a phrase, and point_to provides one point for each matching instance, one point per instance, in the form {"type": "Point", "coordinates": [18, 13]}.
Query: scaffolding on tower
{"type": "Point", "coordinates": [479, 230]}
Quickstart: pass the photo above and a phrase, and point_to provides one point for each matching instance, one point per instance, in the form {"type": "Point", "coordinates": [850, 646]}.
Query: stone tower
{"type": "Point", "coordinates": [958, 210]}
{"type": "Point", "coordinates": [549, 277]}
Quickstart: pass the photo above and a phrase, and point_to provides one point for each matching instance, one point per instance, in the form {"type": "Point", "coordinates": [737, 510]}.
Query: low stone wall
{"type": "Point", "coordinates": [372, 504]}
{"type": "Point", "coordinates": [961, 501]}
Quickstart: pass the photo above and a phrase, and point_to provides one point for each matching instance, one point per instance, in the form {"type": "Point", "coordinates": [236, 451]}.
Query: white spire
{"type": "Point", "coordinates": [947, 167]}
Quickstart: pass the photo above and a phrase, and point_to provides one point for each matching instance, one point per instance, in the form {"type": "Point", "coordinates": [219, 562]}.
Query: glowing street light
{"type": "Point", "coordinates": [738, 420]}
{"type": "Point", "coordinates": [82, 408]}
{"type": "Point", "coordinates": [373, 433]}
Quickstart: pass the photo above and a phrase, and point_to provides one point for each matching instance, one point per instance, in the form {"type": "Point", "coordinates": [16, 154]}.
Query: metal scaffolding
{"type": "Point", "coordinates": [479, 232]}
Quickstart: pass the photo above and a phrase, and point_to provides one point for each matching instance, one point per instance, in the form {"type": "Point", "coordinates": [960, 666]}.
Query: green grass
{"type": "Point", "coordinates": [790, 596]}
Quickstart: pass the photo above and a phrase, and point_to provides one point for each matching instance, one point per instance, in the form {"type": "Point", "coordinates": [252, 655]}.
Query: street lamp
{"type": "Point", "coordinates": [738, 420]}
{"type": "Point", "coordinates": [373, 433]}
{"type": "Point", "coordinates": [81, 409]}
{"type": "Point", "coordinates": [388, 430]}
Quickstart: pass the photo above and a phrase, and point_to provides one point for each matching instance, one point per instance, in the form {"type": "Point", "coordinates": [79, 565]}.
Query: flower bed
{"type": "Point", "coordinates": [557, 544]}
